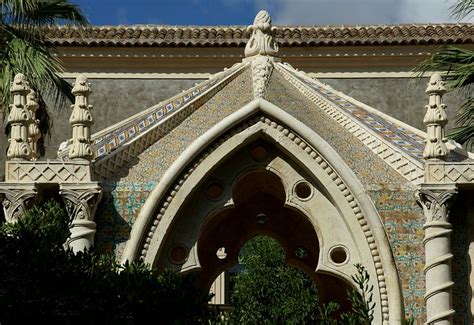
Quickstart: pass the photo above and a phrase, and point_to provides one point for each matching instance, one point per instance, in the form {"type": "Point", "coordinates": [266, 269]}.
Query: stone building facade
{"type": "Point", "coordinates": [203, 137]}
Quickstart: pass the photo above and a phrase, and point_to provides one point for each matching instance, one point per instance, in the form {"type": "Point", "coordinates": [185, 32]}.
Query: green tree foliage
{"type": "Point", "coordinates": [268, 291]}
{"type": "Point", "coordinates": [41, 282]}
{"type": "Point", "coordinates": [459, 64]}
{"type": "Point", "coordinates": [23, 49]}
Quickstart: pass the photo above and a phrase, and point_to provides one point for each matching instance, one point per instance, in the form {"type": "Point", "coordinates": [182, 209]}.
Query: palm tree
{"type": "Point", "coordinates": [23, 49]}
{"type": "Point", "coordinates": [459, 64]}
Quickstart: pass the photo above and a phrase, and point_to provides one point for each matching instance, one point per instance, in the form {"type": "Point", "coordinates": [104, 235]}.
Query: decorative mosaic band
{"type": "Point", "coordinates": [409, 142]}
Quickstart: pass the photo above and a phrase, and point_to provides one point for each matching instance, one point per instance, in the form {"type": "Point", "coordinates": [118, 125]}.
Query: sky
{"type": "Point", "coordinates": [283, 12]}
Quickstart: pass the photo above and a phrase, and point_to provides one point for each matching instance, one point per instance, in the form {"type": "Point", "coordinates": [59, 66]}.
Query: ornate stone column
{"type": "Point", "coordinates": [435, 120]}
{"type": "Point", "coordinates": [81, 202]}
{"type": "Point", "coordinates": [436, 201]}
{"type": "Point", "coordinates": [18, 120]}
{"type": "Point", "coordinates": [34, 133]}
{"type": "Point", "coordinates": [81, 121]}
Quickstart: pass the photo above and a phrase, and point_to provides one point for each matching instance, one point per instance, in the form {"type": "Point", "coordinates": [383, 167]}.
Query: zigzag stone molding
{"type": "Point", "coordinates": [450, 172]}
{"type": "Point", "coordinates": [116, 160]}
{"type": "Point", "coordinates": [404, 166]}
{"type": "Point", "coordinates": [310, 151]}
{"type": "Point", "coordinates": [51, 171]}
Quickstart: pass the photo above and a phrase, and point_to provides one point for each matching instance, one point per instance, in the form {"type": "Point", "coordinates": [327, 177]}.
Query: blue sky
{"type": "Point", "coordinates": [283, 12]}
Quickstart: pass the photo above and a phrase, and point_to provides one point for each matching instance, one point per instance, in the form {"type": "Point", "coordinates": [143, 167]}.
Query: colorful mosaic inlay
{"type": "Point", "coordinates": [401, 137]}
{"type": "Point", "coordinates": [124, 133]}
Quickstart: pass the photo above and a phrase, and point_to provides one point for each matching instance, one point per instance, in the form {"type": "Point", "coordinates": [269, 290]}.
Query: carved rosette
{"type": "Point", "coordinates": [81, 202]}
{"type": "Point", "coordinates": [436, 202]}
{"type": "Point", "coordinates": [262, 40]}
{"type": "Point", "coordinates": [34, 133]}
{"type": "Point", "coordinates": [81, 121]}
{"type": "Point", "coordinates": [16, 200]}
{"type": "Point", "coordinates": [435, 120]}
{"type": "Point", "coordinates": [262, 67]}
{"type": "Point", "coordinates": [18, 119]}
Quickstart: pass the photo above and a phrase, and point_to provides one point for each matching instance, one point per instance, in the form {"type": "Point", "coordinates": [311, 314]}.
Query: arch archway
{"type": "Point", "coordinates": [339, 193]}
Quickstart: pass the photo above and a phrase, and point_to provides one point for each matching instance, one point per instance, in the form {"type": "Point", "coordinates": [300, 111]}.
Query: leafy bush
{"type": "Point", "coordinates": [40, 281]}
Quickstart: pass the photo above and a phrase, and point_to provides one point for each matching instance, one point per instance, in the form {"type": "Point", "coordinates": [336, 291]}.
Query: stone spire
{"type": "Point", "coordinates": [435, 120]}
{"type": "Point", "coordinates": [81, 121]}
{"type": "Point", "coordinates": [33, 130]}
{"type": "Point", "coordinates": [262, 40]}
{"type": "Point", "coordinates": [18, 120]}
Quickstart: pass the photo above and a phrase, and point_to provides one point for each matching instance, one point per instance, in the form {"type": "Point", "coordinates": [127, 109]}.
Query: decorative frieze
{"type": "Point", "coordinates": [436, 201]}
{"type": "Point", "coordinates": [50, 171]}
{"type": "Point", "coordinates": [435, 120]}
{"type": "Point", "coordinates": [18, 119]}
{"type": "Point", "coordinates": [17, 198]}
{"type": "Point", "coordinates": [450, 172]}
{"type": "Point", "coordinates": [81, 121]}
{"type": "Point", "coordinates": [81, 202]}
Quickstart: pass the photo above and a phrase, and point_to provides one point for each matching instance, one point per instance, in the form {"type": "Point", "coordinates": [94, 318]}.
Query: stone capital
{"type": "Point", "coordinates": [17, 198]}
{"type": "Point", "coordinates": [436, 201]}
{"type": "Point", "coordinates": [81, 202]}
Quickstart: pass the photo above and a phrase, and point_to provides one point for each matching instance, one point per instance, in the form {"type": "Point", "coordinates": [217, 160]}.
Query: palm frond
{"type": "Point", "coordinates": [462, 9]}
{"type": "Point", "coordinates": [458, 62]}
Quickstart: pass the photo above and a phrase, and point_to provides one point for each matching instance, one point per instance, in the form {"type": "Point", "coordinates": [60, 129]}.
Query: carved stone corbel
{"type": "Point", "coordinates": [81, 202]}
{"type": "Point", "coordinates": [436, 201]}
{"type": "Point", "coordinates": [17, 198]}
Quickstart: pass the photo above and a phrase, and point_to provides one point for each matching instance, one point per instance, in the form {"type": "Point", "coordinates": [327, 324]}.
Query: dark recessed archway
{"type": "Point", "coordinates": [259, 198]}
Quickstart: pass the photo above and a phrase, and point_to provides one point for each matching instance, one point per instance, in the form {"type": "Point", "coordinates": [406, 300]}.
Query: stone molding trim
{"type": "Point", "coordinates": [316, 150]}
{"type": "Point", "coordinates": [81, 202]}
{"type": "Point", "coordinates": [436, 201]}
{"type": "Point", "coordinates": [112, 163]}
{"type": "Point", "coordinates": [49, 171]}
{"type": "Point", "coordinates": [410, 168]}
{"type": "Point", "coordinates": [461, 173]}
{"type": "Point", "coordinates": [17, 198]}
{"type": "Point", "coordinates": [207, 36]}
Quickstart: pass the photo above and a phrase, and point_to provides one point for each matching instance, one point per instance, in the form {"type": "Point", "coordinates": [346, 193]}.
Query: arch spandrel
{"type": "Point", "coordinates": [311, 153]}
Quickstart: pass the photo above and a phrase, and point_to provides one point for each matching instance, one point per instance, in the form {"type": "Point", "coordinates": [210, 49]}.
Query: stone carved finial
{"type": "Point", "coordinates": [262, 41]}
{"type": "Point", "coordinates": [81, 121]}
{"type": "Point", "coordinates": [18, 120]}
{"type": "Point", "coordinates": [34, 133]}
{"type": "Point", "coordinates": [435, 120]}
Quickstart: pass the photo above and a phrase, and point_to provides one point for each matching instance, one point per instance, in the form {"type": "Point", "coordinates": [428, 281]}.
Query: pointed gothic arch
{"type": "Point", "coordinates": [310, 151]}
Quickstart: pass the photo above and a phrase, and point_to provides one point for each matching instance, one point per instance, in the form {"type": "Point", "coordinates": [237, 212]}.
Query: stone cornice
{"type": "Point", "coordinates": [219, 36]}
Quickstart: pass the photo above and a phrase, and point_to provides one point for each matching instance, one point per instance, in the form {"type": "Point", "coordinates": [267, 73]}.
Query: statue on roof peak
{"type": "Point", "coordinates": [262, 40]}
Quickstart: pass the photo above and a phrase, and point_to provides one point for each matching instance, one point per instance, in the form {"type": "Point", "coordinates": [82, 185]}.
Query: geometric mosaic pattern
{"type": "Point", "coordinates": [130, 129]}
{"type": "Point", "coordinates": [409, 142]}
